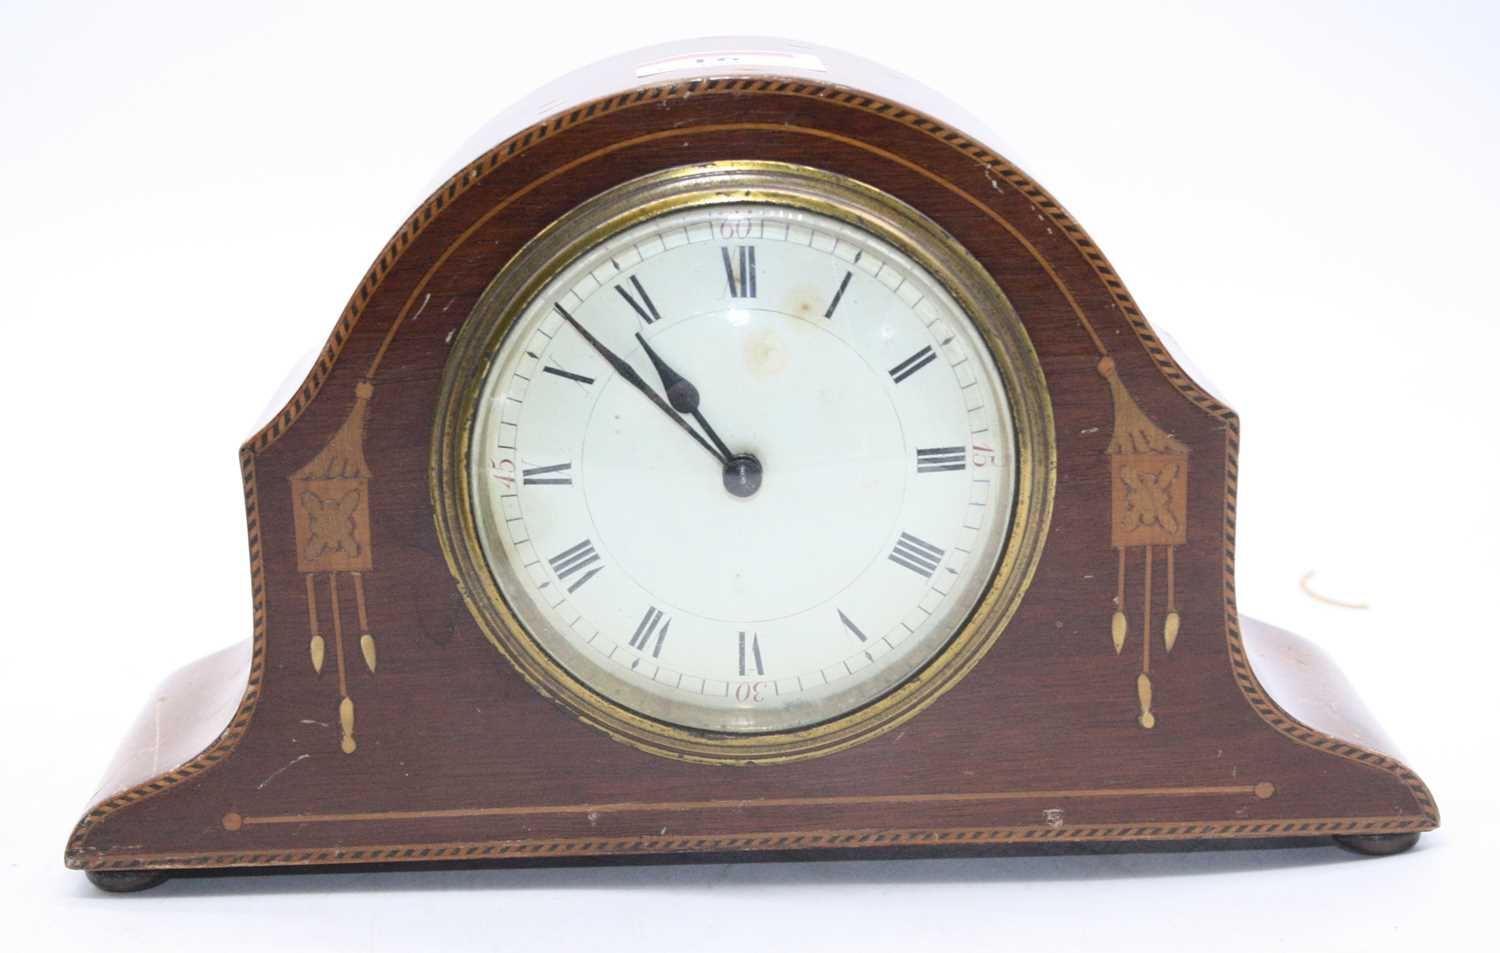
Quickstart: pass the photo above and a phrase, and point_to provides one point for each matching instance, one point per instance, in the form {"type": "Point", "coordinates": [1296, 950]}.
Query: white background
{"type": "Point", "coordinates": [1302, 193]}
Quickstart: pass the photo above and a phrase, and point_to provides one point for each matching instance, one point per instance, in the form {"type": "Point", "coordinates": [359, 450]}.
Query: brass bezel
{"type": "Point", "coordinates": [837, 196]}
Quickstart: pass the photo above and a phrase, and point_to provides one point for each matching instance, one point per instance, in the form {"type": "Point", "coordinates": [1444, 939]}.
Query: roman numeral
{"type": "Point", "coordinates": [573, 559]}
{"type": "Point", "coordinates": [913, 364]}
{"type": "Point", "coordinates": [649, 626]}
{"type": "Point", "coordinates": [568, 374]}
{"type": "Point", "coordinates": [740, 270]}
{"type": "Point", "coordinates": [838, 295]}
{"type": "Point", "coordinates": [555, 475]}
{"type": "Point", "coordinates": [753, 655]}
{"type": "Point", "coordinates": [938, 459]}
{"type": "Point", "coordinates": [644, 307]}
{"type": "Point", "coordinates": [848, 624]}
{"type": "Point", "coordinates": [916, 554]}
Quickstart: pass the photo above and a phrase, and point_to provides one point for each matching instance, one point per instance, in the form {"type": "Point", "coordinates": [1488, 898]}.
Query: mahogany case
{"type": "Point", "coordinates": [371, 721]}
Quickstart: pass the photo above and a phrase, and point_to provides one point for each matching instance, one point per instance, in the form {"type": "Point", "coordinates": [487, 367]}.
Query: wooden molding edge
{"type": "Point", "coordinates": [768, 841]}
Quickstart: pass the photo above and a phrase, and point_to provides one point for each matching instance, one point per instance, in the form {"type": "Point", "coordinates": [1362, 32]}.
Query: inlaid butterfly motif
{"type": "Point", "coordinates": [331, 524]}
{"type": "Point", "coordinates": [1148, 500]}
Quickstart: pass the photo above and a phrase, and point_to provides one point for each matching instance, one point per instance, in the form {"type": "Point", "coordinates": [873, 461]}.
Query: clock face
{"type": "Point", "coordinates": [742, 467]}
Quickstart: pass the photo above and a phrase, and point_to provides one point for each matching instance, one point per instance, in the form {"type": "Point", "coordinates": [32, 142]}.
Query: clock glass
{"type": "Point", "coordinates": [740, 462]}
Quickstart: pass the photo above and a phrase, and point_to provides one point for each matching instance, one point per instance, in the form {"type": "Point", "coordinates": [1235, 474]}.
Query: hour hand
{"type": "Point", "coordinates": [682, 395]}
{"type": "Point", "coordinates": [635, 380]}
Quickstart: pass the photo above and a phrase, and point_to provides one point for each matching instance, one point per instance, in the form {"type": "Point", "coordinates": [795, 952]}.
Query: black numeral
{"type": "Point", "coordinates": [913, 364]}
{"type": "Point", "coordinates": [918, 555]}
{"type": "Point", "coordinates": [838, 295]}
{"type": "Point", "coordinates": [644, 307]}
{"type": "Point", "coordinates": [849, 624]}
{"type": "Point", "coordinates": [739, 269]}
{"type": "Point", "coordinates": [573, 559]}
{"type": "Point", "coordinates": [568, 375]}
{"type": "Point", "coordinates": [558, 474]}
{"type": "Point", "coordinates": [750, 653]}
{"type": "Point", "coordinates": [653, 622]}
{"type": "Point", "coordinates": [938, 459]}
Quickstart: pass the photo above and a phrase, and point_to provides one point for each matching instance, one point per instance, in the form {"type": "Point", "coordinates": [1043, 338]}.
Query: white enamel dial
{"type": "Point", "coordinates": [819, 359]}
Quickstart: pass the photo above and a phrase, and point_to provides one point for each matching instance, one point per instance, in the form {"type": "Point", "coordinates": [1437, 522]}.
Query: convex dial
{"type": "Point", "coordinates": [743, 467]}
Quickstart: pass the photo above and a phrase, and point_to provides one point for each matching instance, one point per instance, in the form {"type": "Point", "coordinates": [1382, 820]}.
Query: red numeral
{"type": "Point", "coordinates": [504, 470]}
{"type": "Point", "coordinates": [749, 692]}
{"type": "Point", "coordinates": [734, 228]}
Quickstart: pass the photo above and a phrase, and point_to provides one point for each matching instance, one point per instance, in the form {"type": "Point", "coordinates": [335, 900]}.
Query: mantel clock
{"type": "Point", "coordinates": [732, 457]}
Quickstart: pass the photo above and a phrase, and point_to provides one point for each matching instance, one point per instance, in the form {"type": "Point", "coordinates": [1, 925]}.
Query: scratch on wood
{"type": "Point", "coordinates": [270, 777]}
{"type": "Point", "coordinates": [421, 309]}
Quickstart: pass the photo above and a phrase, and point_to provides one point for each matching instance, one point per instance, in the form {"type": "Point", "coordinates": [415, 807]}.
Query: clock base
{"type": "Point", "coordinates": [125, 850]}
{"type": "Point", "coordinates": [1378, 845]}
{"type": "Point", "coordinates": [135, 881]}
{"type": "Point", "coordinates": [126, 881]}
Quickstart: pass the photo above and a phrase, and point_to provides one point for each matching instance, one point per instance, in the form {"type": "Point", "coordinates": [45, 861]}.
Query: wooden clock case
{"type": "Point", "coordinates": [370, 720]}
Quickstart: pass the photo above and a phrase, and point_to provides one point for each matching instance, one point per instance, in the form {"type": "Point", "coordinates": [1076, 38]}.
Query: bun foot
{"type": "Point", "coordinates": [1376, 845]}
{"type": "Point", "coordinates": [125, 881]}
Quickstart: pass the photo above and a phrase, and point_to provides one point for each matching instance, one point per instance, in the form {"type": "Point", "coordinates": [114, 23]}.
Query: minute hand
{"type": "Point", "coordinates": [636, 381]}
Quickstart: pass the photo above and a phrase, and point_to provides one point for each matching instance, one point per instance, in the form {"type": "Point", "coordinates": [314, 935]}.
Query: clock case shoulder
{"type": "Point", "coordinates": [354, 439]}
